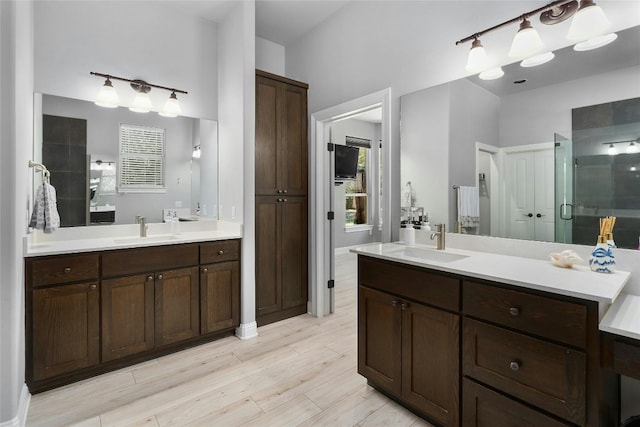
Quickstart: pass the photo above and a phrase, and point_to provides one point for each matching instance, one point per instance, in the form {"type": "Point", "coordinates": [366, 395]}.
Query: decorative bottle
{"type": "Point", "coordinates": [602, 259]}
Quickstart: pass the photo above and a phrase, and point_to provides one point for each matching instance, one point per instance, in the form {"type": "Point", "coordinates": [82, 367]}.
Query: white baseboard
{"type": "Point", "coordinates": [20, 420]}
{"type": "Point", "coordinates": [245, 331]}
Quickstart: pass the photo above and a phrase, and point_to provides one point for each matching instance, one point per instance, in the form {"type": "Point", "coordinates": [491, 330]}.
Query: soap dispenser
{"type": "Point", "coordinates": [409, 235]}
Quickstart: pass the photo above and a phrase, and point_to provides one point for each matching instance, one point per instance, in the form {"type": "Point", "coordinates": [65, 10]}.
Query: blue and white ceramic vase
{"type": "Point", "coordinates": [602, 259]}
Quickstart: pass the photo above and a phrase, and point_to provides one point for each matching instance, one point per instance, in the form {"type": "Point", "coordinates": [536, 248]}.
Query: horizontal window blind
{"type": "Point", "coordinates": [141, 158]}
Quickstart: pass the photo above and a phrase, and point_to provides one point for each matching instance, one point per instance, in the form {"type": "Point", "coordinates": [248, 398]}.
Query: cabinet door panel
{"type": "Point", "coordinates": [267, 133]}
{"type": "Point", "coordinates": [294, 272]}
{"type": "Point", "coordinates": [176, 305]}
{"type": "Point", "coordinates": [483, 407]}
{"type": "Point", "coordinates": [66, 325]}
{"type": "Point", "coordinates": [127, 316]}
{"type": "Point", "coordinates": [379, 339]}
{"type": "Point", "coordinates": [292, 161]}
{"type": "Point", "coordinates": [430, 369]}
{"type": "Point", "coordinates": [219, 296]}
{"type": "Point", "coordinates": [268, 290]}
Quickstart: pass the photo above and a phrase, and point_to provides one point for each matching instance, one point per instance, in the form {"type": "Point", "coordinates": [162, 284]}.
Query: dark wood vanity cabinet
{"type": "Point", "coordinates": [91, 313]}
{"type": "Point", "coordinates": [281, 171]}
{"type": "Point", "coordinates": [64, 297]}
{"type": "Point", "coordinates": [522, 357]}
{"type": "Point", "coordinates": [219, 286]}
{"type": "Point", "coordinates": [406, 338]}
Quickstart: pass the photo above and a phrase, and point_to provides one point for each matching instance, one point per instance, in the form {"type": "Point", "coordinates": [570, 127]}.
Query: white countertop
{"type": "Point", "coordinates": [108, 237]}
{"type": "Point", "coordinates": [623, 317]}
{"type": "Point", "coordinates": [578, 282]}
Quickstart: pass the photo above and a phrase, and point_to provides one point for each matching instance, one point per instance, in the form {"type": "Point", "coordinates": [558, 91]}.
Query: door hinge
{"type": "Point", "coordinates": [331, 284]}
{"type": "Point", "coordinates": [330, 215]}
{"type": "Point", "coordinates": [330, 146]}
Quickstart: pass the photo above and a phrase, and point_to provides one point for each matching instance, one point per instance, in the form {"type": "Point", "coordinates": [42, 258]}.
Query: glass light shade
{"type": "Point", "coordinates": [478, 59]}
{"type": "Point", "coordinates": [588, 22]}
{"type": "Point", "coordinates": [171, 107]}
{"type": "Point", "coordinates": [612, 150]}
{"type": "Point", "coordinates": [536, 60]}
{"type": "Point", "coordinates": [107, 96]}
{"type": "Point", "coordinates": [141, 103]}
{"type": "Point", "coordinates": [595, 42]}
{"type": "Point", "coordinates": [196, 152]}
{"type": "Point", "coordinates": [526, 42]}
{"type": "Point", "coordinates": [632, 148]}
{"type": "Point", "coordinates": [492, 74]}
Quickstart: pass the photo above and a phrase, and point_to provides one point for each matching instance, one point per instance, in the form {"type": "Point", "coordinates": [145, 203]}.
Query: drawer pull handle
{"type": "Point", "coordinates": [515, 365]}
{"type": "Point", "coordinates": [220, 252]}
{"type": "Point", "coordinates": [67, 269]}
{"type": "Point", "coordinates": [160, 277]}
{"type": "Point", "coordinates": [149, 278]}
{"type": "Point", "coordinates": [204, 270]}
{"type": "Point", "coordinates": [514, 311]}
{"type": "Point", "coordinates": [93, 287]}
{"type": "Point", "coordinates": [394, 303]}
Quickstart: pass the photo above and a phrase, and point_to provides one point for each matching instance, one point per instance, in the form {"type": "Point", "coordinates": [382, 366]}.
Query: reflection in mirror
{"type": "Point", "coordinates": [83, 146]}
{"type": "Point", "coordinates": [515, 148]}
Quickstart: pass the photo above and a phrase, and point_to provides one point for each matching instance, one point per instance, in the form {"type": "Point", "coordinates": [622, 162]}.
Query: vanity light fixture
{"type": "Point", "coordinates": [588, 25]}
{"type": "Point", "coordinates": [632, 148]}
{"type": "Point", "coordinates": [526, 41]}
{"type": "Point", "coordinates": [108, 97]}
{"type": "Point", "coordinates": [196, 152]}
{"type": "Point", "coordinates": [491, 74]}
{"type": "Point", "coordinates": [612, 151]}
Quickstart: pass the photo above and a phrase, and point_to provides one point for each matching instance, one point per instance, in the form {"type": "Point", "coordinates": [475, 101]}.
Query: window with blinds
{"type": "Point", "coordinates": [141, 159]}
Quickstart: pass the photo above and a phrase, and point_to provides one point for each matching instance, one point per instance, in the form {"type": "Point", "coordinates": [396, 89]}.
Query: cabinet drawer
{"type": "Point", "coordinates": [544, 316]}
{"type": "Point", "coordinates": [64, 269]}
{"type": "Point", "coordinates": [410, 282]}
{"type": "Point", "coordinates": [546, 375]}
{"type": "Point", "coordinates": [139, 260]}
{"type": "Point", "coordinates": [224, 250]}
{"type": "Point", "coordinates": [484, 407]}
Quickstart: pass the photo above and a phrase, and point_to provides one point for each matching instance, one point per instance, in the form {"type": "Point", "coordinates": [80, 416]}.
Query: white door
{"type": "Point", "coordinates": [529, 179]}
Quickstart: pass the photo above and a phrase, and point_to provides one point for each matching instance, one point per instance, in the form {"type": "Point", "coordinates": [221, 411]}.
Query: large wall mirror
{"type": "Point", "coordinates": [110, 166]}
{"type": "Point", "coordinates": [527, 156]}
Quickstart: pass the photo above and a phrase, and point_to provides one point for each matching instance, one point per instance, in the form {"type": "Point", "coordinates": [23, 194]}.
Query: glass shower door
{"type": "Point", "coordinates": [563, 189]}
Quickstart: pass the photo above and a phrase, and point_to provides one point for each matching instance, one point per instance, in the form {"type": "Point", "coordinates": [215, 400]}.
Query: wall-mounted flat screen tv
{"type": "Point", "coordinates": [346, 162]}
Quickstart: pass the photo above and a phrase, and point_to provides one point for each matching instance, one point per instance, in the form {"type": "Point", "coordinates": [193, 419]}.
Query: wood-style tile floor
{"type": "Point", "coordinates": [301, 371]}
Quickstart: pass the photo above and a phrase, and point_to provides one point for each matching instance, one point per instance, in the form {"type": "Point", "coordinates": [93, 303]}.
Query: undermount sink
{"type": "Point", "coordinates": [150, 239]}
{"type": "Point", "coordinates": [430, 254]}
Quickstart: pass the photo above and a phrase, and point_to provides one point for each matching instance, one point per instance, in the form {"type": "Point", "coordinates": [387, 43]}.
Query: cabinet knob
{"type": "Point", "coordinates": [279, 200]}
{"type": "Point", "coordinates": [220, 252]}
{"type": "Point", "coordinates": [279, 191]}
{"type": "Point", "coordinates": [405, 305]}
{"type": "Point", "coordinates": [204, 270]}
{"type": "Point", "coordinates": [149, 278]}
{"type": "Point", "coordinates": [285, 192]}
{"type": "Point", "coordinates": [515, 365]}
{"type": "Point", "coordinates": [394, 302]}
{"type": "Point", "coordinates": [159, 276]}
{"type": "Point", "coordinates": [514, 311]}
{"type": "Point", "coordinates": [67, 269]}
{"type": "Point", "coordinates": [539, 215]}
{"type": "Point", "coordinates": [284, 200]}
{"type": "Point", "coordinates": [93, 287]}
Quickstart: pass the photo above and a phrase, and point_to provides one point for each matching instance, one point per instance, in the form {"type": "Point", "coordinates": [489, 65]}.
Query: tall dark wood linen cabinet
{"type": "Point", "coordinates": [281, 198]}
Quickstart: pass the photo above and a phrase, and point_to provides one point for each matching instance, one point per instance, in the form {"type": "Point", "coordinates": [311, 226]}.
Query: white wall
{"type": "Point", "coordinates": [16, 131]}
{"type": "Point", "coordinates": [236, 88]}
{"type": "Point", "coordinates": [270, 56]}
{"type": "Point", "coordinates": [130, 39]}
{"type": "Point", "coordinates": [366, 130]}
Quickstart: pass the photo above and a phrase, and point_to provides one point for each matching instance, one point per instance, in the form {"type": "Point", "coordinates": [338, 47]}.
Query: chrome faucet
{"type": "Point", "coordinates": [439, 233]}
{"type": "Point", "coordinates": [143, 225]}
